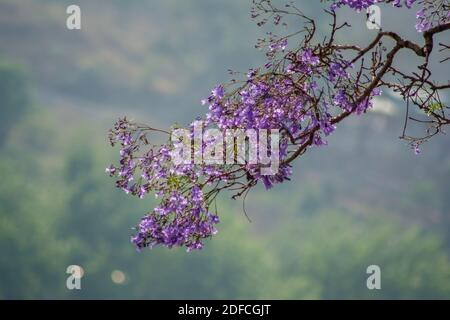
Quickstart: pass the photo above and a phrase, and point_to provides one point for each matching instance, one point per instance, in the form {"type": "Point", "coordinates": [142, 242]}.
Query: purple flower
{"type": "Point", "coordinates": [278, 45]}
{"type": "Point", "coordinates": [416, 148]}
{"type": "Point", "coordinates": [111, 170]}
{"type": "Point", "coordinates": [336, 71]}
{"type": "Point", "coordinates": [308, 57]}
{"type": "Point", "coordinates": [218, 92]}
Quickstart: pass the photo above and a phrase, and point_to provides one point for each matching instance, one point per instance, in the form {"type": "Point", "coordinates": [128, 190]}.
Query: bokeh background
{"type": "Point", "coordinates": [364, 199]}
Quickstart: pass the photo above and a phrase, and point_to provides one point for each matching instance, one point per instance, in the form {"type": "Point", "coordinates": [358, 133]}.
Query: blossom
{"type": "Point", "coordinates": [278, 45]}
{"type": "Point", "coordinates": [302, 93]}
{"type": "Point", "coordinates": [428, 16]}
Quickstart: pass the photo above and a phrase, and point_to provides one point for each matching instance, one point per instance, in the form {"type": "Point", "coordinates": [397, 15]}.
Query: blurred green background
{"type": "Point", "coordinates": [364, 199]}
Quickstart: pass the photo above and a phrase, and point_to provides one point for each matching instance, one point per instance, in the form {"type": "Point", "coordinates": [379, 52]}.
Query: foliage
{"type": "Point", "coordinates": [14, 90]}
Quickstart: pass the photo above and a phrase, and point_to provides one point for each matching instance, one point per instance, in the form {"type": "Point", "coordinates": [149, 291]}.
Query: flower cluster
{"type": "Point", "coordinates": [182, 217]}
{"type": "Point", "coordinates": [302, 92]}
{"type": "Point", "coordinates": [364, 4]}
{"type": "Point", "coordinates": [430, 14]}
{"type": "Point", "coordinates": [283, 97]}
